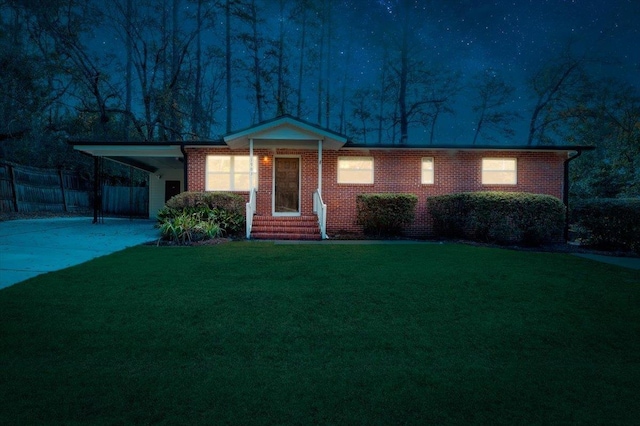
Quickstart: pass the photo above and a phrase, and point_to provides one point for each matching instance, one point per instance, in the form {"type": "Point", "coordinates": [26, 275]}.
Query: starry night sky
{"type": "Point", "coordinates": [515, 38]}
{"type": "Point", "coordinates": [511, 38]}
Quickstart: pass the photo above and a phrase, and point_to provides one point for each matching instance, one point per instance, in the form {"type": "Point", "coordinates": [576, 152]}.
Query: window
{"type": "Point", "coordinates": [355, 170]}
{"type": "Point", "coordinates": [427, 170]}
{"type": "Point", "coordinates": [230, 173]}
{"type": "Point", "coordinates": [499, 171]}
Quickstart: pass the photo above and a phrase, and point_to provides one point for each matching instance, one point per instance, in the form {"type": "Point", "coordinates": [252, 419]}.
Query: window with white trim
{"type": "Point", "coordinates": [355, 170]}
{"type": "Point", "coordinates": [230, 173]}
{"type": "Point", "coordinates": [427, 170]}
{"type": "Point", "coordinates": [499, 171]}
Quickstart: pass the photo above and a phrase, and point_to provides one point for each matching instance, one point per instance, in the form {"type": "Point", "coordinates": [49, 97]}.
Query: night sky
{"type": "Point", "coordinates": [512, 39]}
{"type": "Point", "coordinates": [515, 38]}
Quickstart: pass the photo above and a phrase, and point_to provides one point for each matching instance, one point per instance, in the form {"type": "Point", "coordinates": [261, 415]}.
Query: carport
{"type": "Point", "coordinates": [165, 162]}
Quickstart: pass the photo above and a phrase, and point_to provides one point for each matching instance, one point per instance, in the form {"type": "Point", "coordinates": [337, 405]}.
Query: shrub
{"type": "Point", "coordinates": [385, 214]}
{"type": "Point", "coordinates": [609, 223]}
{"type": "Point", "coordinates": [221, 200]}
{"type": "Point", "coordinates": [499, 217]}
{"type": "Point", "coordinates": [194, 216]}
{"type": "Point", "coordinates": [186, 228]}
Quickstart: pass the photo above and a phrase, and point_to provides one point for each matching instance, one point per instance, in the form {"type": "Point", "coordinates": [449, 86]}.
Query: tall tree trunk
{"type": "Point", "coordinates": [161, 102]}
{"type": "Point", "coordinates": [402, 96]}
{"type": "Point", "coordinates": [343, 96]}
{"type": "Point", "coordinates": [323, 23]}
{"type": "Point", "coordinates": [432, 131]}
{"type": "Point", "coordinates": [196, 110]}
{"type": "Point", "coordinates": [129, 70]}
{"type": "Point", "coordinates": [381, 100]}
{"type": "Point", "coordinates": [175, 58]}
{"type": "Point", "coordinates": [228, 63]}
{"type": "Point", "coordinates": [301, 65]}
{"type": "Point", "coordinates": [281, 108]}
{"type": "Point", "coordinates": [256, 60]}
{"type": "Point", "coordinates": [327, 104]}
{"type": "Point", "coordinates": [475, 136]}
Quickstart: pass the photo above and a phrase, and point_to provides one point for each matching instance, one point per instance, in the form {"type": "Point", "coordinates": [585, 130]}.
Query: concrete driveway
{"type": "Point", "coordinates": [35, 246]}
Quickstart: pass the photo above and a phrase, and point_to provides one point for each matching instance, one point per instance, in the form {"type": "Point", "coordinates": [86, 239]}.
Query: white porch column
{"type": "Point", "coordinates": [250, 166]}
{"type": "Point", "coordinates": [320, 167]}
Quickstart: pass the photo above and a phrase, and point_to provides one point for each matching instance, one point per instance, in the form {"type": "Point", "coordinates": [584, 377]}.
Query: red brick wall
{"type": "Point", "coordinates": [394, 171]}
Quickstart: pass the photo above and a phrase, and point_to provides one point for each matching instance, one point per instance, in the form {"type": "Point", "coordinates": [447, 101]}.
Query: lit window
{"type": "Point", "coordinates": [355, 170]}
{"type": "Point", "coordinates": [427, 170]}
{"type": "Point", "coordinates": [230, 173]}
{"type": "Point", "coordinates": [499, 171]}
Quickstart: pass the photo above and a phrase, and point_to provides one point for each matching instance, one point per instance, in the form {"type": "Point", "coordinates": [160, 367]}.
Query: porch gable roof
{"type": "Point", "coordinates": [285, 132]}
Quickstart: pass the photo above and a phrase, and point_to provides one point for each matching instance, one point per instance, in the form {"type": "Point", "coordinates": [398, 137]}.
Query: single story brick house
{"type": "Point", "coordinates": [303, 179]}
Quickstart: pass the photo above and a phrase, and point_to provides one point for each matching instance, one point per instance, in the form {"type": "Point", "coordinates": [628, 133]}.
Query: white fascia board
{"type": "Point", "coordinates": [285, 129]}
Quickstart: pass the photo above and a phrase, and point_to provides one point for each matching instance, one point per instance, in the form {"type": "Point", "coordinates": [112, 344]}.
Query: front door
{"type": "Point", "coordinates": [287, 185]}
{"type": "Point", "coordinates": [171, 188]}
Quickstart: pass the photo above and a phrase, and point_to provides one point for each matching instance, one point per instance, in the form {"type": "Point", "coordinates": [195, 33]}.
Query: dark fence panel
{"type": "Point", "coordinates": [124, 200]}
{"type": "Point", "coordinates": [34, 198]}
{"type": "Point", "coordinates": [29, 189]}
{"type": "Point", "coordinates": [77, 200]}
{"type": "Point", "coordinates": [7, 197]}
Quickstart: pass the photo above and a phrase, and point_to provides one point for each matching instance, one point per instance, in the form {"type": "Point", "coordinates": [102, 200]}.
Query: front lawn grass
{"type": "Point", "coordinates": [257, 333]}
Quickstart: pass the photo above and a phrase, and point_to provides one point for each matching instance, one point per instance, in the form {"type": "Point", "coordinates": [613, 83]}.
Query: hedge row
{"type": "Point", "coordinates": [385, 214]}
{"type": "Point", "coordinates": [609, 223]}
{"type": "Point", "coordinates": [498, 217]}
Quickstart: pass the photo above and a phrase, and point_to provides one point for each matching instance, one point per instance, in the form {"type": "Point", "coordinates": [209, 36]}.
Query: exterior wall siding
{"type": "Point", "coordinates": [395, 170]}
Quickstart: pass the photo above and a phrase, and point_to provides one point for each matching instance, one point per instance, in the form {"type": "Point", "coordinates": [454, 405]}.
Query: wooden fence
{"type": "Point", "coordinates": [125, 200]}
{"type": "Point", "coordinates": [29, 189]}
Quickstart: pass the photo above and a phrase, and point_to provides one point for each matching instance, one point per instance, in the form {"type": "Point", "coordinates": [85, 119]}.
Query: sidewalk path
{"type": "Point", "coordinates": [625, 262]}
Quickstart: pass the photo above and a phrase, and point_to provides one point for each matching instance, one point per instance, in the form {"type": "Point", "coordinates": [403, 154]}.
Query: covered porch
{"type": "Point", "coordinates": [289, 155]}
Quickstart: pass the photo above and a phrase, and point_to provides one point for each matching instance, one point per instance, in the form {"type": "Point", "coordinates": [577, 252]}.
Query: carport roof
{"type": "Point", "coordinates": [148, 156]}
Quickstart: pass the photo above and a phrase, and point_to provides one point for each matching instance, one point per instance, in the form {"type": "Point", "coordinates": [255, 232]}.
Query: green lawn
{"type": "Point", "coordinates": [256, 333]}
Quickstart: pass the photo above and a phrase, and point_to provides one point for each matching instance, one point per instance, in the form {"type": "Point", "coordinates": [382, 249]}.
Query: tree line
{"type": "Point", "coordinates": [156, 70]}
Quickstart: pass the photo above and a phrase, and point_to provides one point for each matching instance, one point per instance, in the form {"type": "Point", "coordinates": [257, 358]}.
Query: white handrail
{"type": "Point", "coordinates": [251, 210]}
{"type": "Point", "coordinates": [320, 208]}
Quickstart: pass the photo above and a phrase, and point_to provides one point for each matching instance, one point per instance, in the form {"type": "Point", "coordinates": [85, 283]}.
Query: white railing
{"type": "Point", "coordinates": [320, 208]}
{"type": "Point", "coordinates": [251, 210]}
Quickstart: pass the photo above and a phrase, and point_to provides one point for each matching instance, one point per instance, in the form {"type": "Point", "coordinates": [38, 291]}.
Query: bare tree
{"type": "Point", "coordinates": [159, 74]}
{"type": "Point", "coordinates": [301, 12]}
{"type": "Point", "coordinates": [30, 81]}
{"type": "Point", "coordinates": [559, 85]}
{"type": "Point", "coordinates": [62, 25]}
{"type": "Point", "coordinates": [493, 93]}
{"type": "Point", "coordinates": [254, 42]}
{"type": "Point", "coordinates": [422, 91]}
{"type": "Point", "coordinates": [361, 100]}
{"type": "Point", "coordinates": [129, 69]}
{"type": "Point", "coordinates": [321, 54]}
{"type": "Point", "coordinates": [281, 53]}
{"type": "Point", "coordinates": [228, 60]}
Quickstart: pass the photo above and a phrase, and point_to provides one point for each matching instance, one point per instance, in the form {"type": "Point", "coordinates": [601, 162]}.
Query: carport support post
{"type": "Point", "coordinates": [96, 184]}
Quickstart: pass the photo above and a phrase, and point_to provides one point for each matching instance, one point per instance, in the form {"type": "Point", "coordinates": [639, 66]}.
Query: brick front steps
{"type": "Point", "coordinates": [285, 228]}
